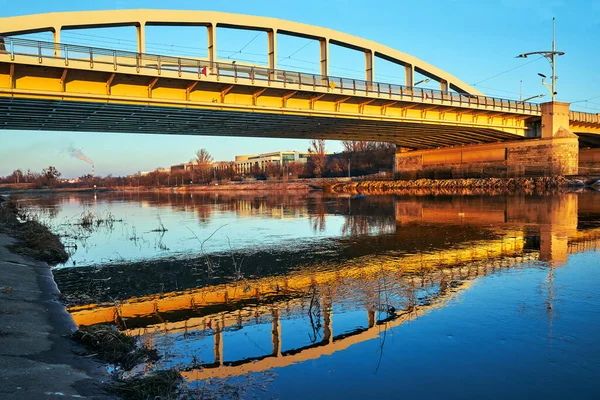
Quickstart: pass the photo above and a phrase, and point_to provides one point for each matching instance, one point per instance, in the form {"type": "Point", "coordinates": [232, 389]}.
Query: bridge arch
{"type": "Point", "coordinates": [140, 19]}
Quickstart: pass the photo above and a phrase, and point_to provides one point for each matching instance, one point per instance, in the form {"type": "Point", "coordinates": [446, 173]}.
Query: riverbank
{"type": "Point", "coordinates": [306, 185]}
{"type": "Point", "coordinates": [296, 185]}
{"type": "Point", "coordinates": [20, 189]}
{"type": "Point", "coordinates": [38, 360]}
{"type": "Point", "coordinates": [347, 186]}
{"type": "Point", "coordinates": [461, 186]}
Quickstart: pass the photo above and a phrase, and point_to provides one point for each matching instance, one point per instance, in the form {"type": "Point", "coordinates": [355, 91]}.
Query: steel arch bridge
{"type": "Point", "coordinates": [58, 86]}
{"type": "Point", "coordinates": [140, 19]}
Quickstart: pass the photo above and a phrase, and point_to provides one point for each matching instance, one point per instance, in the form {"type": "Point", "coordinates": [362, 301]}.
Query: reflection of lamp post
{"type": "Point", "coordinates": [550, 56]}
{"type": "Point", "coordinates": [537, 96]}
{"type": "Point", "coordinates": [422, 81]}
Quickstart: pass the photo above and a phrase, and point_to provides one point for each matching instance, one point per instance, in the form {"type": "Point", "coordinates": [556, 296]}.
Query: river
{"type": "Point", "coordinates": [301, 296]}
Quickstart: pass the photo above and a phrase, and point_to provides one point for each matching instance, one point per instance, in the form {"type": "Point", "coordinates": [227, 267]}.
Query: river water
{"type": "Point", "coordinates": [301, 296]}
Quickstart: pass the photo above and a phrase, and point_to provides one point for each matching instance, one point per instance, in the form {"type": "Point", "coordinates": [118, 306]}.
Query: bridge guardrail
{"type": "Point", "coordinates": [578, 116]}
{"type": "Point", "coordinates": [196, 69]}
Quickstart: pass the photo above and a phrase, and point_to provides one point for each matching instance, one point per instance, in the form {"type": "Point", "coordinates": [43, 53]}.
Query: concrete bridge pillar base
{"type": "Point", "coordinates": [555, 153]}
{"type": "Point", "coordinates": [537, 157]}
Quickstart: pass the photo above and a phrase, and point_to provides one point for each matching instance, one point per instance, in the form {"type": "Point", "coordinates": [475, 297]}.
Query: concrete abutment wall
{"type": "Point", "coordinates": [540, 157]}
{"type": "Point", "coordinates": [555, 153]}
{"type": "Point", "coordinates": [589, 161]}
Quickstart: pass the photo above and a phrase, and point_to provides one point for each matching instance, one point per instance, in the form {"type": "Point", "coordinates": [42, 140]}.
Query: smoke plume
{"type": "Point", "coordinates": [76, 153]}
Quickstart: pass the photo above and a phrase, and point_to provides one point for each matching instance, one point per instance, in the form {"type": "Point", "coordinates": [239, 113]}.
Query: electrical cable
{"type": "Point", "coordinates": [247, 44]}
{"type": "Point", "coordinates": [297, 51]}
{"type": "Point", "coordinates": [508, 70]}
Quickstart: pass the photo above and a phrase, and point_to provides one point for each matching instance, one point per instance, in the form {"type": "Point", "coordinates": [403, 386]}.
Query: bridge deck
{"type": "Point", "coordinates": [65, 87]}
{"type": "Point", "coordinates": [53, 86]}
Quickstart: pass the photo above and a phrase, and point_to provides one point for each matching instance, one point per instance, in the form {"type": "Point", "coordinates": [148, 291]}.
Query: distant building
{"type": "Point", "coordinates": [159, 170]}
{"type": "Point", "coordinates": [182, 167]}
{"type": "Point", "coordinates": [223, 165]}
{"type": "Point", "coordinates": [246, 163]}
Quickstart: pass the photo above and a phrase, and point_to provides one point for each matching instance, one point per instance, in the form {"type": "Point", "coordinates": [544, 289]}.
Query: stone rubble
{"type": "Point", "coordinates": [476, 184]}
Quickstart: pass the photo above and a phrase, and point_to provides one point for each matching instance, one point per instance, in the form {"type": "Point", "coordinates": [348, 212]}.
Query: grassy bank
{"type": "Point", "coordinates": [114, 347]}
{"type": "Point", "coordinates": [34, 239]}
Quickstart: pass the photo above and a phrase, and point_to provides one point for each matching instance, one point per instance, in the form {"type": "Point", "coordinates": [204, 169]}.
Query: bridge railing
{"type": "Point", "coordinates": [201, 69]}
{"type": "Point", "coordinates": [583, 117]}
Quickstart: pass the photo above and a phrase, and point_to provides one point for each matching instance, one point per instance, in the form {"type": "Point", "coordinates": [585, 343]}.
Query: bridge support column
{"type": "Point", "coordinates": [410, 75]}
{"type": "Point", "coordinates": [272, 49]}
{"type": "Point", "coordinates": [324, 57]}
{"type": "Point", "coordinates": [141, 38]}
{"type": "Point", "coordinates": [56, 34]}
{"type": "Point", "coordinates": [212, 43]}
{"type": "Point", "coordinates": [444, 86]}
{"type": "Point", "coordinates": [369, 66]}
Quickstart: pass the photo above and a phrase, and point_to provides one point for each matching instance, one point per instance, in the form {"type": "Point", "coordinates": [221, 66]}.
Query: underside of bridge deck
{"type": "Point", "coordinates": [52, 115]}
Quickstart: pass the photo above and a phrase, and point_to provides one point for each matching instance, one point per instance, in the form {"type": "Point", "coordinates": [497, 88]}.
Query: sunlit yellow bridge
{"type": "Point", "coordinates": [64, 87]}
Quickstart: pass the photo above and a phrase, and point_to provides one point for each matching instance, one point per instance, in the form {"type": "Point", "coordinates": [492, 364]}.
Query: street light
{"type": "Point", "coordinates": [422, 81]}
{"type": "Point", "coordinates": [550, 56]}
{"type": "Point", "coordinates": [538, 96]}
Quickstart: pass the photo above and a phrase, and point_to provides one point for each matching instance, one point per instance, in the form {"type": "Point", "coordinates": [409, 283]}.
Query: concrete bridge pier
{"type": "Point", "coordinates": [554, 151]}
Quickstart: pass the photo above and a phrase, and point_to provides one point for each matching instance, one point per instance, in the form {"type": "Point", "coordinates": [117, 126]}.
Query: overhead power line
{"type": "Point", "coordinates": [246, 45]}
{"type": "Point", "coordinates": [297, 51]}
{"type": "Point", "coordinates": [508, 70]}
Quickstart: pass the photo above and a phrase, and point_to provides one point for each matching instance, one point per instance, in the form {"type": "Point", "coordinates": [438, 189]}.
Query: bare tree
{"type": "Point", "coordinates": [50, 176]}
{"type": "Point", "coordinates": [369, 157]}
{"type": "Point", "coordinates": [354, 146]}
{"type": "Point", "coordinates": [272, 170]}
{"type": "Point", "coordinates": [295, 169]}
{"type": "Point", "coordinates": [318, 157]}
{"type": "Point", "coordinates": [17, 175]}
{"type": "Point", "coordinates": [203, 163]}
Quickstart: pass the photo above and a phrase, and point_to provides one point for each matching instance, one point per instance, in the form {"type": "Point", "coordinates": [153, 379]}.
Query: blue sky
{"type": "Point", "coordinates": [475, 40]}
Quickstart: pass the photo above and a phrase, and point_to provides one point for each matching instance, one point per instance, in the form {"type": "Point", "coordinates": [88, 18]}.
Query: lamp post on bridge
{"type": "Point", "coordinates": [537, 96]}
{"type": "Point", "coordinates": [551, 57]}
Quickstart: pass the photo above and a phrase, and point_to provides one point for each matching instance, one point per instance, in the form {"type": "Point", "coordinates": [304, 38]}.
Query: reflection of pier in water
{"type": "Point", "coordinates": [553, 218]}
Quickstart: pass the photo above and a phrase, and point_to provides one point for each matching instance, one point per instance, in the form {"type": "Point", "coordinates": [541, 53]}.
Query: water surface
{"type": "Point", "coordinates": [311, 296]}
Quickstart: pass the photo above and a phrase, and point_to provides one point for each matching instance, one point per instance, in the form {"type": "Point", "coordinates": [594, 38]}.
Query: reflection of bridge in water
{"type": "Point", "coordinates": [390, 289]}
{"type": "Point", "coordinates": [419, 284]}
